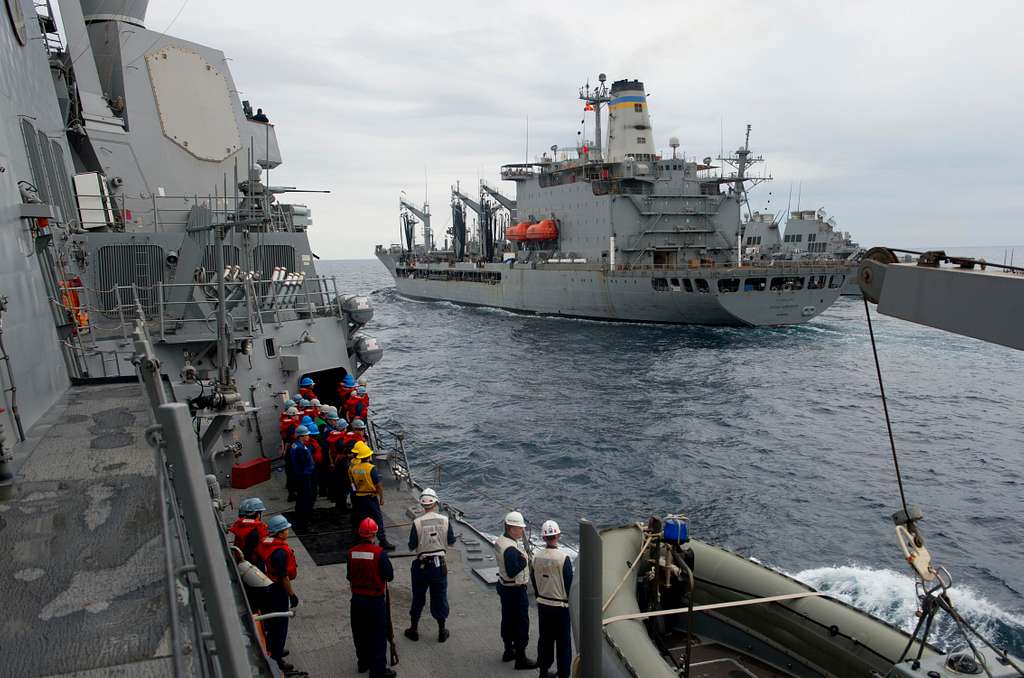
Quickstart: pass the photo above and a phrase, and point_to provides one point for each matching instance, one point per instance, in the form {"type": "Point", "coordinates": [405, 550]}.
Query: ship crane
{"type": "Point", "coordinates": [507, 203]}
{"type": "Point", "coordinates": [485, 219]}
{"type": "Point", "coordinates": [423, 214]}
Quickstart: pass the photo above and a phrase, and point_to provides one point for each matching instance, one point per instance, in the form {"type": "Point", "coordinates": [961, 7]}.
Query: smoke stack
{"type": "Point", "coordinates": [629, 123]}
{"type": "Point", "coordinates": [128, 11]}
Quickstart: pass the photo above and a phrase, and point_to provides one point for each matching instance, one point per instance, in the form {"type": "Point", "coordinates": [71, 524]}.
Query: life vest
{"type": "Point", "coordinates": [352, 437]}
{"type": "Point", "coordinates": [547, 576]}
{"type": "Point", "coordinates": [242, 528]}
{"type": "Point", "coordinates": [334, 445]}
{"type": "Point", "coordinates": [306, 393]}
{"type": "Point", "coordinates": [357, 406]}
{"type": "Point", "coordinates": [267, 548]}
{"type": "Point", "coordinates": [431, 534]}
{"type": "Point", "coordinates": [311, 412]}
{"type": "Point", "coordinates": [504, 542]}
{"type": "Point", "coordinates": [344, 392]}
{"type": "Point", "coordinates": [362, 481]}
{"type": "Point", "coordinates": [287, 427]}
{"type": "Point", "coordinates": [318, 455]}
{"type": "Point", "coordinates": [364, 570]}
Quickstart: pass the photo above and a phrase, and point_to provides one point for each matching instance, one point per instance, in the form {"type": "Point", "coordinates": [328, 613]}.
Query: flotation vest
{"type": "Point", "coordinates": [364, 570]}
{"type": "Point", "coordinates": [242, 528]}
{"type": "Point", "coordinates": [267, 548]}
{"type": "Point", "coordinates": [318, 455]}
{"type": "Point", "coordinates": [356, 407]}
{"type": "Point", "coordinates": [504, 542]}
{"type": "Point", "coordinates": [362, 481]}
{"type": "Point", "coordinates": [287, 427]}
{"type": "Point", "coordinates": [307, 393]}
{"type": "Point", "coordinates": [431, 535]}
{"type": "Point", "coordinates": [334, 445]}
{"type": "Point", "coordinates": [344, 392]}
{"type": "Point", "coordinates": [547, 576]}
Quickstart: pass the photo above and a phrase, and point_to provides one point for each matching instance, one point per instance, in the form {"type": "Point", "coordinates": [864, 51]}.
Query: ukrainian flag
{"type": "Point", "coordinates": [627, 101]}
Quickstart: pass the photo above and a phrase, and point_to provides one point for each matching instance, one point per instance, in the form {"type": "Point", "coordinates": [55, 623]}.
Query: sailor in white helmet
{"type": "Point", "coordinates": [513, 575]}
{"type": "Point", "coordinates": [429, 538]}
{"type": "Point", "coordinates": [552, 579]}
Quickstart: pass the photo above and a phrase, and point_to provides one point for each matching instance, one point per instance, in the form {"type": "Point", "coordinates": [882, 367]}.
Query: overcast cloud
{"type": "Point", "coordinates": [903, 120]}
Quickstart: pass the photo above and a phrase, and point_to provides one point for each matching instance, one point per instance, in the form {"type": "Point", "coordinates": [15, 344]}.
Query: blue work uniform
{"type": "Point", "coordinates": [303, 470]}
{"type": "Point", "coordinates": [428, 538]}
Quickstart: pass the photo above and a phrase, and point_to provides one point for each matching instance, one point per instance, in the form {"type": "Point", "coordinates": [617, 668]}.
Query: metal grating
{"type": "Point", "coordinates": [139, 265]}
{"type": "Point", "coordinates": [231, 257]}
{"type": "Point", "coordinates": [268, 257]}
{"type": "Point", "coordinates": [63, 183]}
{"type": "Point", "coordinates": [28, 133]}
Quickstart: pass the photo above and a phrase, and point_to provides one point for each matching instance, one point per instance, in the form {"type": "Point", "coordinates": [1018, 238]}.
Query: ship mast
{"type": "Point", "coordinates": [741, 162]}
{"type": "Point", "coordinates": [594, 97]}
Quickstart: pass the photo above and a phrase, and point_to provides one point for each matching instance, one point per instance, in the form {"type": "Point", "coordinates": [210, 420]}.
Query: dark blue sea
{"type": "Point", "coordinates": [771, 440]}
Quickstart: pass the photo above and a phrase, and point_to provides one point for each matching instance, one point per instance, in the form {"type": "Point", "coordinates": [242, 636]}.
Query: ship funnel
{"type": "Point", "coordinates": [629, 123]}
{"type": "Point", "coordinates": [129, 11]}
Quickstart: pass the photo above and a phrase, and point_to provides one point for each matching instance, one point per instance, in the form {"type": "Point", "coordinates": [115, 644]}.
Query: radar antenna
{"type": "Point", "coordinates": [741, 162]}
{"type": "Point", "coordinates": [594, 98]}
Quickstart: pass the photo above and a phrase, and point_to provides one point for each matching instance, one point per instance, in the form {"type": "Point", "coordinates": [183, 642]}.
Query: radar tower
{"type": "Point", "coordinates": [594, 98]}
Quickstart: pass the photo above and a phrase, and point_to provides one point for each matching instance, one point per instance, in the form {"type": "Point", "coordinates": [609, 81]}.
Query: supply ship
{"type": "Point", "coordinates": [610, 230]}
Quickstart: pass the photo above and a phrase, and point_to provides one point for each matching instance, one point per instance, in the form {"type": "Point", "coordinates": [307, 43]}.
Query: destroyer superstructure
{"type": "Point", "coordinates": [614, 232]}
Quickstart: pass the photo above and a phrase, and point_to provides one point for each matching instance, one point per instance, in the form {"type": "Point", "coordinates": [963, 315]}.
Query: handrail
{"type": "Point", "coordinates": [712, 606]}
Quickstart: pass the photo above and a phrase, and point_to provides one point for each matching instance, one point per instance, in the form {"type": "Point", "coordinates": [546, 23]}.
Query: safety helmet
{"type": "Point", "coordinates": [289, 403]}
{"type": "Point", "coordinates": [332, 408]}
{"type": "Point", "coordinates": [303, 403]}
{"type": "Point", "coordinates": [549, 529]}
{"type": "Point", "coordinates": [302, 430]}
{"type": "Point", "coordinates": [361, 450]}
{"type": "Point", "coordinates": [362, 381]}
{"type": "Point", "coordinates": [348, 381]}
{"type": "Point", "coordinates": [313, 429]}
{"type": "Point", "coordinates": [277, 523]}
{"type": "Point", "coordinates": [361, 390]}
{"type": "Point", "coordinates": [315, 402]}
{"type": "Point", "coordinates": [306, 381]}
{"type": "Point", "coordinates": [358, 424]}
{"type": "Point", "coordinates": [306, 420]}
{"type": "Point", "coordinates": [367, 528]}
{"type": "Point", "coordinates": [250, 506]}
{"type": "Point", "coordinates": [341, 424]}
{"type": "Point", "coordinates": [515, 519]}
{"type": "Point", "coordinates": [325, 409]}
{"type": "Point", "coordinates": [292, 411]}
{"type": "Point", "coordinates": [428, 497]}
{"type": "Point", "coordinates": [331, 416]}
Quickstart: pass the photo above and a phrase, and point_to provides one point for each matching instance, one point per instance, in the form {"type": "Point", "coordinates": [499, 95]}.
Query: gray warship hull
{"type": "Point", "coordinates": [628, 295]}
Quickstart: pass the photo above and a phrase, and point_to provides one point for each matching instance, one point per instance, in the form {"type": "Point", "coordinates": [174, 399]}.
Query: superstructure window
{"type": "Point", "coordinates": [726, 285]}
{"type": "Point", "coordinates": [659, 284]}
{"type": "Point", "coordinates": [811, 237]}
{"type": "Point", "coordinates": [755, 284]}
{"type": "Point", "coordinates": [639, 108]}
{"type": "Point", "coordinates": [641, 140]}
{"type": "Point", "coordinates": [788, 282]}
{"type": "Point", "coordinates": [687, 285]}
{"type": "Point", "coordinates": [836, 280]}
{"type": "Point", "coordinates": [815, 282]}
{"type": "Point", "coordinates": [702, 286]}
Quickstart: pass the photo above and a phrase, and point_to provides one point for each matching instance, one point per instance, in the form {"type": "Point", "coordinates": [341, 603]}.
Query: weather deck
{"type": "Point", "coordinates": [82, 568]}
{"type": "Point", "coordinates": [320, 635]}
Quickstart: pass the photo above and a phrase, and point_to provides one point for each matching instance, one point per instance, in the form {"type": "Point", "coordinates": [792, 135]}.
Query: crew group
{"type": "Point", "coordinates": [310, 473]}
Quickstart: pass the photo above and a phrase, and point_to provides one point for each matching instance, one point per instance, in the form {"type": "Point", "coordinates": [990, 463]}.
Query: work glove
{"type": "Point", "coordinates": [294, 600]}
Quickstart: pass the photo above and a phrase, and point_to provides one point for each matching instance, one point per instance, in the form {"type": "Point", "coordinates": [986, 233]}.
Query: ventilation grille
{"type": "Point", "coordinates": [231, 257]}
{"type": "Point", "coordinates": [268, 257]}
{"type": "Point", "coordinates": [49, 173]}
{"type": "Point", "coordinates": [139, 265]}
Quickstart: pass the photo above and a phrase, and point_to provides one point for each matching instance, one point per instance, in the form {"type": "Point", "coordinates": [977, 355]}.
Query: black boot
{"type": "Point", "coordinates": [411, 633]}
{"type": "Point", "coordinates": [523, 662]}
{"type": "Point", "coordinates": [284, 666]}
{"type": "Point", "coordinates": [386, 545]}
{"type": "Point", "coordinates": [509, 654]}
{"type": "Point", "coordinates": [442, 632]}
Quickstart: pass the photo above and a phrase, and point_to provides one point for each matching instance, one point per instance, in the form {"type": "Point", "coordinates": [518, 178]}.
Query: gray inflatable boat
{"type": "Point", "coordinates": [746, 619]}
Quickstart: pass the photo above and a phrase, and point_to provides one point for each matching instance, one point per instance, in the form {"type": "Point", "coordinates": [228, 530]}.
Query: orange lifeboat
{"type": "Point", "coordinates": [517, 233]}
{"type": "Point", "coordinates": [543, 230]}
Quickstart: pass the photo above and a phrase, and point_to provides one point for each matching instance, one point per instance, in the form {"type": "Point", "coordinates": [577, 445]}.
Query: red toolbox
{"type": "Point", "coordinates": [249, 473]}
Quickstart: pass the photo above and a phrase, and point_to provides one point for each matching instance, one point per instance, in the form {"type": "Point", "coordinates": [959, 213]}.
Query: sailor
{"type": "Point", "coordinates": [300, 457]}
{"type": "Point", "coordinates": [357, 430]}
{"type": "Point", "coordinates": [262, 117]}
{"type": "Point", "coordinates": [338, 459]}
{"type": "Point", "coordinates": [430, 537]}
{"type": "Point", "coordinates": [552, 578]}
{"type": "Point", "coordinates": [249, 529]}
{"type": "Point", "coordinates": [369, 571]}
{"type": "Point", "coordinates": [367, 491]}
{"type": "Point", "coordinates": [290, 421]}
{"type": "Point", "coordinates": [358, 405]}
{"type": "Point", "coordinates": [306, 386]}
{"type": "Point", "coordinates": [277, 560]}
{"type": "Point", "coordinates": [307, 408]}
{"type": "Point", "coordinates": [515, 601]}
{"type": "Point", "coordinates": [347, 385]}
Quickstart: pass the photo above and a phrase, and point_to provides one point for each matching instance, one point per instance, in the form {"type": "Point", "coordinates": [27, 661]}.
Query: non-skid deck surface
{"type": "Point", "coordinates": [327, 537]}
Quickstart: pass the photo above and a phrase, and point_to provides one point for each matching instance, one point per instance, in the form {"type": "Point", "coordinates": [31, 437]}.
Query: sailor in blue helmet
{"type": "Point", "coordinates": [306, 388]}
{"type": "Point", "coordinates": [300, 456]}
{"type": "Point", "coordinates": [347, 385]}
{"type": "Point", "coordinates": [276, 558]}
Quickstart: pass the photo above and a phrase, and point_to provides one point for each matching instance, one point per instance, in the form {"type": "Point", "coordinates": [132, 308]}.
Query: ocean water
{"type": "Point", "coordinates": [772, 440]}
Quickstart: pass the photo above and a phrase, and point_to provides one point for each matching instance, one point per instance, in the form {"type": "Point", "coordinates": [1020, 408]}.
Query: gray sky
{"type": "Point", "coordinates": [901, 119]}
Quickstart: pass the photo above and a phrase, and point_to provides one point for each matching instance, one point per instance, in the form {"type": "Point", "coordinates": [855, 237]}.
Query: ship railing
{"type": "Point", "coordinates": [774, 265]}
{"type": "Point", "coordinates": [156, 213]}
{"type": "Point", "coordinates": [205, 597]}
{"type": "Point", "coordinates": [109, 313]}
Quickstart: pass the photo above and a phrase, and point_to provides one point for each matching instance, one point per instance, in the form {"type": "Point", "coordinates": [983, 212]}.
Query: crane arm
{"type": "Point", "coordinates": [469, 202]}
{"type": "Point", "coordinates": [423, 215]}
{"type": "Point", "coordinates": [507, 203]}
{"type": "Point", "coordinates": [966, 299]}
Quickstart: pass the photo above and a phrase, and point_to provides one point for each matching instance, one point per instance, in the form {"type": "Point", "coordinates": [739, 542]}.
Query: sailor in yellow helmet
{"type": "Point", "coordinates": [367, 491]}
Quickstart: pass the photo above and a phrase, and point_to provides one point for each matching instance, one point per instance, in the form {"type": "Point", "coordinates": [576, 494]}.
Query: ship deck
{"type": "Point", "coordinates": [82, 568]}
{"type": "Point", "coordinates": [320, 635]}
